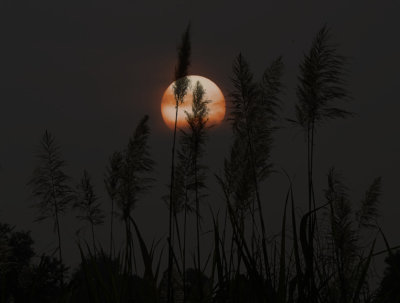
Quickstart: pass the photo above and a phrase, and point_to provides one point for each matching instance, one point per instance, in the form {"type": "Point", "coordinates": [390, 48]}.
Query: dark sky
{"type": "Point", "coordinates": [89, 70]}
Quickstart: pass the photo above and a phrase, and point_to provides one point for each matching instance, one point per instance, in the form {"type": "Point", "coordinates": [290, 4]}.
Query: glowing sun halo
{"type": "Point", "coordinates": [216, 106]}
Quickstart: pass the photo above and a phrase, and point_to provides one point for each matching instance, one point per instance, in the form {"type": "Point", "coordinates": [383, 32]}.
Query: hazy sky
{"type": "Point", "coordinates": [88, 71]}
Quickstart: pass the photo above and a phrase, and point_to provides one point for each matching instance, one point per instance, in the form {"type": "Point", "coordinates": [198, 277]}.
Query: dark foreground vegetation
{"type": "Point", "coordinates": [324, 255]}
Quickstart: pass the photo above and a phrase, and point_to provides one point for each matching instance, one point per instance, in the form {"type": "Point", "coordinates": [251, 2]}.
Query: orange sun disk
{"type": "Point", "coordinates": [216, 107]}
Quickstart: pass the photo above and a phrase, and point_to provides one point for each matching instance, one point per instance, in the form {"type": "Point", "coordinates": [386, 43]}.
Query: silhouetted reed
{"type": "Point", "coordinates": [321, 87]}
{"type": "Point", "coordinates": [133, 180]}
{"type": "Point", "coordinates": [50, 185]}
{"type": "Point", "coordinates": [111, 180]}
{"type": "Point", "coordinates": [86, 203]}
{"type": "Point", "coordinates": [180, 88]}
{"type": "Point", "coordinates": [254, 108]}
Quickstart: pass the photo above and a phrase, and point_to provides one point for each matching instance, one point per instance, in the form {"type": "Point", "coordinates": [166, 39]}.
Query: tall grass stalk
{"type": "Point", "coordinates": [111, 181]}
{"type": "Point", "coordinates": [180, 89]}
{"type": "Point", "coordinates": [321, 86]}
{"type": "Point", "coordinates": [50, 185]}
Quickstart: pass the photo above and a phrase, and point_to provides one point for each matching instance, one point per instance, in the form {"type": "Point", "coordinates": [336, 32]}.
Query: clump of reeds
{"type": "Point", "coordinates": [318, 257]}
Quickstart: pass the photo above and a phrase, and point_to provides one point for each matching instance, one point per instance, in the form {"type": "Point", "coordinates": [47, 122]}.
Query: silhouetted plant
{"type": "Point", "coordinates": [329, 260]}
{"type": "Point", "coordinates": [369, 213]}
{"type": "Point", "coordinates": [342, 241]}
{"type": "Point", "coordinates": [134, 181]}
{"type": "Point", "coordinates": [15, 255]}
{"type": "Point", "coordinates": [43, 281]}
{"type": "Point", "coordinates": [100, 278]}
{"type": "Point", "coordinates": [321, 87]}
{"type": "Point", "coordinates": [388, 291]}
{"type": "Point", "coordinates": [50, 186]}
{"type": "Point", "coordinates": [182, 202]}
{"type": "Point", "coordinates": [20, 280]}
{"type": "Point", "coordinates": [189, 175]}
{"type": "Point", "coordinates": [342, 264]}
{"type": "Point", "coordinates": [253, 116]}
{"type": "Point", "coordinates": [184, 185]}
{"type": "Point", "coordinates": [180, 88]}
{"type": "Point", "coordinates": [195, 138]}
{"type": "Point", "coordinates": [86, 203]}
{"type": "Point", "coordinates": [111, 180]}
{"type": "Point", "coordinates": [197, 291]}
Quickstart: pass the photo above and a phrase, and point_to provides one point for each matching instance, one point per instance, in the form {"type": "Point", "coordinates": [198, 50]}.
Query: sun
{"type": "Point", "coordinates": [216, 106]}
